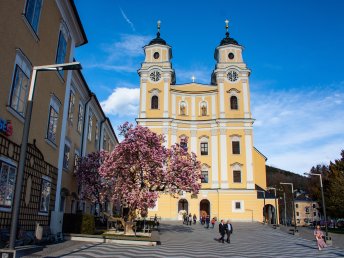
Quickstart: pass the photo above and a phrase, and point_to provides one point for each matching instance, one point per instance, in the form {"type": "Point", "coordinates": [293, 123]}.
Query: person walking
{"type": "Point", "coordinates": [190, 219]}
{"type": "Point", "coordinates": [319, 237]}
{"type": "Point", "coordinates": [222, 231]}
{"type": "Point", "coordinates": [194, 218]}
{"type": "Point", "coordinates": [229, 231]}
{"type": "Point", "coordinates": [207, 221]}
{"type": "Point", "coordinates": [213, 220]}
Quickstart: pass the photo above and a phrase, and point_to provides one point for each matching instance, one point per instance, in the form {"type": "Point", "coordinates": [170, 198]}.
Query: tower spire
{"type": "Point", "coordinates": [227, 33]}
{"type": "Point", "coordinates": [158, 28]}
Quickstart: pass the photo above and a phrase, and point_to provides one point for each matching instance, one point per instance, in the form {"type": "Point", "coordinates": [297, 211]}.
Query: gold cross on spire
{"type": "Point", "coordinates": [159, 22]}
{"type": "Point", "coordinates": [226, 21]}
{"type": "Point", "coordinates": [193, 78]}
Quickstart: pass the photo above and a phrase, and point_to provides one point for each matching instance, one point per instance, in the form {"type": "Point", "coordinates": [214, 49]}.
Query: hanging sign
{"type": "Point", "coordinates": [6, 127]}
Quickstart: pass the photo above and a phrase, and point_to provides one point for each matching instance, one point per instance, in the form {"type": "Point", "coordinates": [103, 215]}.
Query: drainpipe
{"type": "Point", "coordinates": [101, 133]}
{"type": "Point", "coordinates": [84, 125]}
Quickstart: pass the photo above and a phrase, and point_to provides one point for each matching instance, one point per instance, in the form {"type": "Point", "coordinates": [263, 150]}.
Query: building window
{"type": "Point", "coordinates": [237, 176]}
{"type": "Point", "coordinates": [237, 205]}
{"type": "Point", "coordinates": [53, 119]}
{"type": "Point", "coordinates": [155, 102]}
{"type": "Point", "coordinates": [90, 125]}
{"type": "Point", "coordinates": [105, 142]}
{"type": "Point", "coordinates": [33, 12]}
{"type": "Point", "coordinates": [76, 160]}
{"type": "Point", "coordinates": [297, 214]}
{"type": "Point", "coordinates": [66, 156]}
{"type": "Point", "coordinates": [204, 176]}
{"type": "Point", "coordinates": [7, 183]}
{"type": "Point", "coordinates": [307, 210]}
{"type": "Point", "coordinates": [71, 106]}
{"type": "Point", "coordinates": [313, 205]}
{"type": "Point", "coordinates": [235, 147]}
{"type": "Point", "coordinates": [234, 102]}
{"type": "Point", "coordinates": [204, 148]}
{"type": "Point", "coordinates": [20, 88]}
{"type": "Point", "coordinates": [45, 194]}
{"type": "Point", "coordinates": [61, 50]}
{"type": "Point", "coordinates": [315, 214]}
{"type": "Point", "coordinates": [80, 117]}
{"type": "Point", "coordinates": [296, 206]}
{"type": "Point", "coordinates": [97, 132]}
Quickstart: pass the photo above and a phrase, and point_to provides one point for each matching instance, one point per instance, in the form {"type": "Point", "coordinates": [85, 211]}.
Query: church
{"type": "Point", "coordinates": [216, 120]}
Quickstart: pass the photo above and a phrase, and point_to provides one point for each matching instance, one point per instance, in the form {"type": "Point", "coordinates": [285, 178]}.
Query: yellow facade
{"type": "Point", "coordinates": [217, 121]}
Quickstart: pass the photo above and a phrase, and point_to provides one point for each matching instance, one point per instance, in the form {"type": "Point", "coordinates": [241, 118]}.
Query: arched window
{"type": "Point", "coordinates": [234, 102]}
{"type": "Point", "coordinates": [155, 102]}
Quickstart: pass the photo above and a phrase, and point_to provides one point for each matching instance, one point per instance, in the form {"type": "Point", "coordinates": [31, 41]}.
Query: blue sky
{"type": "Point", "coordinates": [294, 49]}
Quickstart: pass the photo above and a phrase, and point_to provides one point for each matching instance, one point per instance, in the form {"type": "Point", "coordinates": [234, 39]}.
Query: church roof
{"type": "Point", "coordinates": [157, 40]}
{"type": "Point", "coordinates": [227, 41]}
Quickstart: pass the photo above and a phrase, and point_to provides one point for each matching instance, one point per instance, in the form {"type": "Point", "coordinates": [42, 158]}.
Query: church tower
{"type": "Point", "coordinates": [156, 75]}
{"type": "Point", "coordinates": [216, 119]}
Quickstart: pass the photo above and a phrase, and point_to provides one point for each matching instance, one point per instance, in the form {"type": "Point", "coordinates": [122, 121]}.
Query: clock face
{"type": "Point", "coordinates": [232, 76]}
{"type": "Point", "coordinates": [156, 55]}
{"type": "Point", "coordinates": [231, 56]}
{"type": "Point", "coordinates": [155, 76]}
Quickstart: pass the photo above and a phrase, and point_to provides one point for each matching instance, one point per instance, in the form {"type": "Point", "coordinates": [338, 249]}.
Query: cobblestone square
{"type": "Point", "coordinates": [178, 240]}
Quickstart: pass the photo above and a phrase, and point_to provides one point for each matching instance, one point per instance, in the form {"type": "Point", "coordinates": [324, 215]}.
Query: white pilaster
{"type": "Point", "coordinates": [213, 107]}
{"type": "Point", "coordinates": [193, 108]}
{"type": "Point", "coordinates": [222, 97]}
{"type": "Point", "coordinates": [193, 140]}
{"type": "Point", "coordinates": [173, 136]}
{"type": "Point", "coordinates": [249, 161]}
{"type": "Point", "coordinates": [214, 159]}
{"type": "Point", "coordinates": [246, 101]}
{"type": "Point", "coordinates": [223, 148]}
{"type": "Point", "coordinates": [166, 94]}
{"type": "Point", "coordinates": [165, 133]}
{"type": "Point", "coordinates": [173, 105]}
{"type": "Point", "coordinates": [143, 98]}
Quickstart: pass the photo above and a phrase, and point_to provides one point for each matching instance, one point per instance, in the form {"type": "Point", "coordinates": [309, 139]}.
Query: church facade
{"type": "Point", "coordinates": [214, 121]}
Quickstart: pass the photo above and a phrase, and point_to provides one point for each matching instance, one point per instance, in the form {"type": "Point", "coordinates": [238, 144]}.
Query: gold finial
{"type": "Point", "coordinates": [159, 22]}
{"type": "Point", "coordinates": [227, 33]}
{"type": "Point", "coordinates": [193, 78]}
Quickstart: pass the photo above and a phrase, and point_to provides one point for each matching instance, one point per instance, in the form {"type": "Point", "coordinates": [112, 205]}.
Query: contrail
{"type": "Point", "coordinates": [127, 20]}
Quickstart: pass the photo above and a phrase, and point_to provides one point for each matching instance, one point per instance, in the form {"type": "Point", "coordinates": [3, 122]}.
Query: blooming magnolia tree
{"type": "Point", "coordinates": [140, 167]}
{"type": "Point", "coordinates": [90, 181]}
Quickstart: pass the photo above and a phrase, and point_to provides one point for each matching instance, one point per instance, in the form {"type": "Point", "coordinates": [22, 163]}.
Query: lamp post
{"type": "Point", "coordinates": [292, 193]}
{"type": "Point", "coordinates": [285, 209]}
{"type": "Point", "coordinates": [323, 199]}
{"type": "Point", "coordinates": [276, 208]}
{"type": "Point", "coordinates": [25, 137]}
{"type": "Point", "coordinates": [264, 205]}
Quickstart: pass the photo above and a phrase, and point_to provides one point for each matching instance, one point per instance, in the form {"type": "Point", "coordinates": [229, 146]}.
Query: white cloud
{"type": "Point", "coordinates": [127, 19]}
{"type": "Point", "coordinates": [129, 46]}
{"type": "Point", "coordinates": [298, 129]}
{"type": "Point", "coordinates": [122, 102]}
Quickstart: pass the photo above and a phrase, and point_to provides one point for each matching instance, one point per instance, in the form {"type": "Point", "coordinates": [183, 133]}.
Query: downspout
{"type": "Point", "coordinates": [101, 133]}
{"type": "Point", "coordinates": [83, 127]}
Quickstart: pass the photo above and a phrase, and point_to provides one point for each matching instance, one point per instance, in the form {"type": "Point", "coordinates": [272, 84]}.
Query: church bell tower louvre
{"type": "Point", "coordinates": [216, 118]}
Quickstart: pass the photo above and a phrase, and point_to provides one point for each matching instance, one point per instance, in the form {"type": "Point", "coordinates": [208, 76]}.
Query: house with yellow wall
{"type": "Point", "coordinates": [216, 119]}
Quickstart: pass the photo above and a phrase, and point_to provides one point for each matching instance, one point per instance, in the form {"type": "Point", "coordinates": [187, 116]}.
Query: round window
{"type": "Point", "coordinates": [231, 56]}
{"type": "Point", "coordinates": [156, 55]}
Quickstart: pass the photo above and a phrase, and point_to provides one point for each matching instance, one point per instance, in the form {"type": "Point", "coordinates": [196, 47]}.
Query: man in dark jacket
{"type": "Point", "coordinates": [229, 231]}
{"type": "Point", "coordinates": [222, 231]}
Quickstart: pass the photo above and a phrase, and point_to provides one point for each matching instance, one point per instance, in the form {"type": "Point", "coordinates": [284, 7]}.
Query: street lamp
{"type": "Point", "coordinates": [323, 199]}
{"type": "Point", "coordinates": [292, 193]}
{"type": "Point", "coordinates": [264, 213]}
{"type": "Point", "coordinates": [25, 137]}
{"type": "Point", "coordinates": [276, 208]}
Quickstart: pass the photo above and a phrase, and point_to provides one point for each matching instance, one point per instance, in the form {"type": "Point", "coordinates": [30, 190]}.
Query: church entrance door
{"type": "Point", "coordinates": [204, 208]}
{"type": "Point", "coordinates": [183, 208]}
